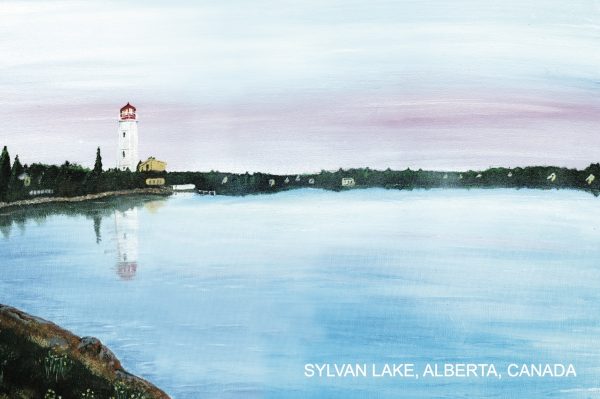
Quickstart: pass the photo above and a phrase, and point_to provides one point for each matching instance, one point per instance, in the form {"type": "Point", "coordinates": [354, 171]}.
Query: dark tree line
{"type": "Point", "coordinates": [19, 181]}
{"type": "Point", "coordinates": [539, 177]}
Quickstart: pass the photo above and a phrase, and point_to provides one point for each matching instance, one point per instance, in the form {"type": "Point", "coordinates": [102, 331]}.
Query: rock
{"type": "Point", "coordinates": [93, 347]}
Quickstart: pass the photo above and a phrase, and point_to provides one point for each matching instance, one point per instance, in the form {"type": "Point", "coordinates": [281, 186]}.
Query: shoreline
{"type": "Point", "coordinates": [41, 359]}
{"type": "Point", "coordinates": [167, 192]}
{"type": "Point", "coordinates": [70, 183]}
{"type": "Point", "coordinates": [88, 197]}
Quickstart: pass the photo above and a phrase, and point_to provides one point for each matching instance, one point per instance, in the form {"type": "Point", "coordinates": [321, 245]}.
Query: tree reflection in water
{"type": "Point", "coordinates": [124, 210]}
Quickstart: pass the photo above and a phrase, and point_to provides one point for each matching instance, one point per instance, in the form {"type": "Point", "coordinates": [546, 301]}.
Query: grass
{"type": "Point", "coordinates": [57, 366]}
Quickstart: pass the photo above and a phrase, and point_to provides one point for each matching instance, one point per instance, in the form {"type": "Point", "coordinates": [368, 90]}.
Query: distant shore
{"type": "Point", "coordinates": [534, 177]}
{"type": "Point", "coordinates": [88, 197]}
{"type": "Point", "coordinates": [69, 183]}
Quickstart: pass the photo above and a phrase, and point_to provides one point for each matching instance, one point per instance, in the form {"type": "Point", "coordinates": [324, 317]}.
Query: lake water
{"type": "Point", "coordinates": [223, 297]}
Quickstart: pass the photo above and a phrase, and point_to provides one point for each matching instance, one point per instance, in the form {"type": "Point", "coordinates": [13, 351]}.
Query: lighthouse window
{"type": "Point", "coordinates": [123, 154]}
{"type": "Point", "coordinates": [123, 134]}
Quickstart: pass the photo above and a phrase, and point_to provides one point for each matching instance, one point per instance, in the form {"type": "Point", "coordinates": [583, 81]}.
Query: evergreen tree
{"type": "Point", "coordinates": [98, 164]}
{"type": "Point", "coordinates": [17, 169]}
{"type": "Point", "coordinates": [15, 186]}
{"type": "Point", "coordinates": [4, 172]}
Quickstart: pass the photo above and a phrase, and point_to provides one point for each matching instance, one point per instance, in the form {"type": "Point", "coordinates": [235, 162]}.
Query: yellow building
{"type": "Point", "coordinates": [152, 165]}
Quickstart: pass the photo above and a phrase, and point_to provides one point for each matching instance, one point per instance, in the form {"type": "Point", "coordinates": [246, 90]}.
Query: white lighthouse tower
{"type": "Point", "coordinates": [127, 158]}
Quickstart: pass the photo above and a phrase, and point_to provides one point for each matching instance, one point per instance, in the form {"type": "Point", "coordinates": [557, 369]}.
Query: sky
{"type": "Point", "coordinates": [298, 86]}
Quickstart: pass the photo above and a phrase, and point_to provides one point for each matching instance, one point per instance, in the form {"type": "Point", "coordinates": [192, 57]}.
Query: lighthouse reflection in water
{"type": "Point", "coordinates": [126, 227]}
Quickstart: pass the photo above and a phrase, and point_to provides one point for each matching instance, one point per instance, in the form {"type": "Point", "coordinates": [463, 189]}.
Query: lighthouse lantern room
{"type": "Point", "coordinates": [127, 157]}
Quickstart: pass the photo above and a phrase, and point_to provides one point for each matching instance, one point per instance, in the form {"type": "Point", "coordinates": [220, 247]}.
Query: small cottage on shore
{"type": "Point", "coordinates": [348, 182]}
{"type": "Point", "coordinates": [155, 181]}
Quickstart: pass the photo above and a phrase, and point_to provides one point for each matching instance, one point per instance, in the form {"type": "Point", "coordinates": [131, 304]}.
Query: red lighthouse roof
{"type": "Point", "coordinates": [128, 106]}
{"type": "Point", "coordinates": [128, 111]}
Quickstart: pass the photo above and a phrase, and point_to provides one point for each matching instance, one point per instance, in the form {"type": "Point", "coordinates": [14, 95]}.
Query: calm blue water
{"type": "Point", "coordinates": [216, 297]}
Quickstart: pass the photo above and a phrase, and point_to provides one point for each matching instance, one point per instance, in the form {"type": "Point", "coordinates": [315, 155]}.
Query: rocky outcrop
{"type": "Point", "coordinates": [38, 359]}
{"type": "Point", "coordinates": [46, 200]}
{"type": "Point", "coordinates": [94, 348]}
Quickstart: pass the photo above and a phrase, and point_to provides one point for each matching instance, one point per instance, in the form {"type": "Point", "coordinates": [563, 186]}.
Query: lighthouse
{"type": "Point", "coordinates": [127, 157]}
